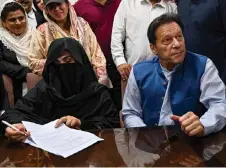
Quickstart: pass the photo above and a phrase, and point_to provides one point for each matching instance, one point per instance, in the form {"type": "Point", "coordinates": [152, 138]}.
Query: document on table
{"type": "Point", "coordinates": [62, 141]}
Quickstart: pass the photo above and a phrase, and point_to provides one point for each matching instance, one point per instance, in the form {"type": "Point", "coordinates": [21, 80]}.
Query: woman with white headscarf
{"type": "Point", "coordinates": [15, 38]}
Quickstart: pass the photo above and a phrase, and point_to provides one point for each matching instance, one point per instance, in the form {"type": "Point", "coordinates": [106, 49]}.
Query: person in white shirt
{"type": "Point", "coordinates": [34, 18]}
{"type": "Point", "coordinates": [73, 1]}
{"type": "Point", "coordinates": [130, 25]}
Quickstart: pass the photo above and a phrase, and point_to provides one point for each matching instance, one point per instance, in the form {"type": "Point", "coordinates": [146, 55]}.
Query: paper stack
{"type": "Point", "coordinates": [62, 141]}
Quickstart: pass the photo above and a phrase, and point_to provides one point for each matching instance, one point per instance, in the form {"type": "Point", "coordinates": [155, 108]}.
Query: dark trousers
{"type": "Point", "coordinates": [115, 78]}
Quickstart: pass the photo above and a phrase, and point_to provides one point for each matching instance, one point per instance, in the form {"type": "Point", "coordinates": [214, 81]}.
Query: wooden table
{"type": "Point", "coordinates": [127, 147]}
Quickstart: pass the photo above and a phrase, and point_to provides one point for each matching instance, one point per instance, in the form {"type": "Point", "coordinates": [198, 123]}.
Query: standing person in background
{"type": "Point", "coordinates": [205, 28]}
{"type": "Point", "coordinates": [39, 7]}
{"type": "Point", "coordinates": [130, 25]}
{"type": "Point", "coordinates": [34, 18]}
{"type": "Point", "coordinates": [100, 16]}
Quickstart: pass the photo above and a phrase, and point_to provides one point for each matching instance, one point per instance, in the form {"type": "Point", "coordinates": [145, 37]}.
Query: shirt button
{"type": "Point", "coordinates": [159, 112]}
{"type": "Point", "coordinates": [164, 83]}
{"type": "Point", "coordinates": [156, 124]}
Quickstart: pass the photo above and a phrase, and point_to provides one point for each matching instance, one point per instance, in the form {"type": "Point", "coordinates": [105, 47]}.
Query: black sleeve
{"type": "Point", "coordinates": [39, 18]}
{"type": "Point", "coordinates": [4, 102]}
{"type": "Point", "coordinates": [29, 108]}
{"type": "Point", "coordinates": [12, 70]}
{"type": "Point", "coordinates": [107, 116]}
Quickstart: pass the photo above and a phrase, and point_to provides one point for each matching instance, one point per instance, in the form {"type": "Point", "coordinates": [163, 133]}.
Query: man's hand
{"type": "Point", "coordinates": [190, 124]}
{"type": "Point", "coordinates": [16, 135]}
{"type": "Point", "coordinates": [124, 70]}
{"type": "Point", "coordinates": [70, 121]}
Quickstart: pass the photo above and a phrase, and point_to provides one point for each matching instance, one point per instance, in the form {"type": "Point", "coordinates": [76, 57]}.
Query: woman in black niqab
{"type": "Point", "coordinates": [68, 89]}
{"type": "Point", "coordinates": [65, 81]}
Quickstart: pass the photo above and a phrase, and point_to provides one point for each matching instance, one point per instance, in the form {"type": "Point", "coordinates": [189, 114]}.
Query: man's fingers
{"type": "Point", "coordinates": [186, 116]}
{"type": "Point", "coordinates": [60, 121]}
{"type": "Point", "coordinates": [121, 73]}
{"type": "Point", "coordinates": [189, 121]}
{"type": "Point", "coordinates": [127, 72]}
{"type": "Point", "coordinates": [129, 67]}
{"type": "Point", "coordinates": [191, 127]}
{"type": "Point", "coordinates": [197, 131]}
{"type": "Point", "coordinates": [175, 117]}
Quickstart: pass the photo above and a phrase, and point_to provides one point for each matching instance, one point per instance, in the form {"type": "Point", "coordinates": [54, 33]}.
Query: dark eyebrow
{"type": "Point", "coordinates": [68, 56]}
{"type": "Point", "coordinates": [15, 17]}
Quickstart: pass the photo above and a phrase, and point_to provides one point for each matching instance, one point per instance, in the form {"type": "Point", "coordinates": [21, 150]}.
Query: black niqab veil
{"type": "Point", "coordinates": [65, 81]}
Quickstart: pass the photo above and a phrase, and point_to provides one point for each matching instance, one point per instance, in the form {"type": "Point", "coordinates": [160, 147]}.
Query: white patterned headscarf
{"type": "Point", "coordinates": [18, 44]}
{"type": "Point", "coordinates": [76, 25]}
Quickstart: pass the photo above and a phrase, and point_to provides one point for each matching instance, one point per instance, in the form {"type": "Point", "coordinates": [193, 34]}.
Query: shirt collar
{"type": "Point", "coordinates": [31, 14]}
{"type": "Point", "coordinates": [161, 3]}
{"type": "Point", "coordinates": [167, 71]}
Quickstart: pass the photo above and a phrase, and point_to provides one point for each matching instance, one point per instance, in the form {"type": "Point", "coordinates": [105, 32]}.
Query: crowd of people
{"type": "Point", "coordinates": [97, 64]}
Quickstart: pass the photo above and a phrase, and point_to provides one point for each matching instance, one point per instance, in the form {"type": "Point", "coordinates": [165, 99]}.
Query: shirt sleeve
{"type": "Point", "coordinates": [118, 35]}
{"type": "Point", "coordinates": [213, 98]}
{"type": "Point", "coordinates": [131, 110]}
{"type": "Point", "coordinates": [174, 7]}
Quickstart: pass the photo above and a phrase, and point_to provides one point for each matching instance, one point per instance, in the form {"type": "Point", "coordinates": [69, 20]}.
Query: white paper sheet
{"type": "Point", "coordinates": [62, 141]}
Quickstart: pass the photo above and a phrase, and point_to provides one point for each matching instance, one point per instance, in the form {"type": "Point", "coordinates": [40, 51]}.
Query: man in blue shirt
{"type": "Point", "coordinates": [177, 85]}
{"type": "Point", "coordinates": [205, 28]}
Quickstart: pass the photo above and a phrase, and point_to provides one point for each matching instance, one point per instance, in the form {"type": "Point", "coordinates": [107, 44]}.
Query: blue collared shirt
{"type": "Point", "coordinates": [212, 97]}
{"type": "Point", "coordinates": [205, 28]}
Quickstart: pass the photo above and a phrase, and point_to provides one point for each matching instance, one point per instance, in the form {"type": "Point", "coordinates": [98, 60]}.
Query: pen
{"type": "Point", "coordinates": [11, 126]}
